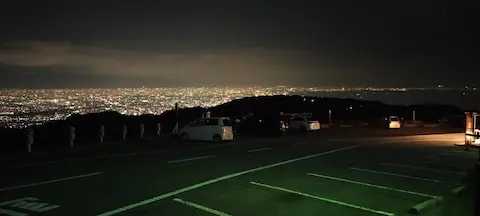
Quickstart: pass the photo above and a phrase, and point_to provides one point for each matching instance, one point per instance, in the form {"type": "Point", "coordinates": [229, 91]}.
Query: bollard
{"type": "Point", "coordinates": [159, 129]}
{"type": "Point", "coordinates": [30, 139]}
{"type": "Point", "coordinates": [124, 131]}
{"type": "Point", "coordinates": [71, 137]}
{"type": "Point", "coordinates": [142, 130]}
{"type": "Point", "coordinates": [102, 133]}
{"type": "Point", "coordinates": [330, 116]}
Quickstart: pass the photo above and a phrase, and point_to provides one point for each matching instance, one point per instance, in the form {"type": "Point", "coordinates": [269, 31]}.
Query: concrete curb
{"type": "Point", "coordinates": [458, 190]}
{"type": "Point", "coordinates": [423, 206]}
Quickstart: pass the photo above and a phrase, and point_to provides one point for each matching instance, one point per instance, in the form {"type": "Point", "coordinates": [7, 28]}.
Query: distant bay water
{"type": "Point", "coordinates": [462, 99]}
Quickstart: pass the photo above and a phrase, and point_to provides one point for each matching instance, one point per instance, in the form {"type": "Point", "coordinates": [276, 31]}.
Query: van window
{"type": "Point", "coordinates": [298, 118]}
{"type": "Point", "coordinates": [226, 122]}
{"type": "Point", "coordinates": [394, 119]}
{"type": "Point", "coordinates": [198, 123]}
{"type": "Point", "coordinates": [211, 122]}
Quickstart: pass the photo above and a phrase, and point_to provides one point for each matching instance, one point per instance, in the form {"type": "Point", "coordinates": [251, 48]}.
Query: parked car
{"type": "Point", "coordinates": [300, 122]}
{"type": "Point", "coordinates": [208, 129]}
{"type": "Point", "coordinates": [263, 126]}
{"type": "Point", "coordinates": [394, 122]}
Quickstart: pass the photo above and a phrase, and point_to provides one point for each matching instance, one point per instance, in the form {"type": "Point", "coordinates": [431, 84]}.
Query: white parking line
{"type": "Point", "coordinates": [126, 154]}
{"type": "Point", "coordinates": [426, 169]}
{"type": "Point", "coordinates": [475, 152]}
{"type": "Point", "coordinates": [257, 150]}
{"type": "Point", "coordinates": [222, 178]}
{"type": "Point", "coordinates": [190, 159]}
{"type": "Point", "coordinates": [50, 181]}
{"type": "Point", "coordinates": [198, 206]}
{"type": "Point", "coordinates": [323, 199]}
{"type": "Point", "coordinates": [372, 185]}
{"type": "Point", "coordinates": [458, 154]}
{"type": "Point", "coordinates": [430, 162]}
{"type": "Point", "coordinates": [394, 174]}
{"type": "Point", "coordinates": [34, 164]}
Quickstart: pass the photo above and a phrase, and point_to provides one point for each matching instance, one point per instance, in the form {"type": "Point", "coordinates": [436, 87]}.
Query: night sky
{"type": "Point", "coordinates": [72, 44]}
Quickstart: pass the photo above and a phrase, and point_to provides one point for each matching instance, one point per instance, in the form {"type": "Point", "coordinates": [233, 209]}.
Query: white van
{"type": "Point", "coordinates": [394, 122]}
{"type": "Point", "coordinates": [208, 129]}
{"type": "Point", "coordinates": [301, 122]}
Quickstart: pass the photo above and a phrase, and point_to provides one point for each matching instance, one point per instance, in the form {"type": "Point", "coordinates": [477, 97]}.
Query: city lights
{"type": "Point", "coordinates": [24, 107]}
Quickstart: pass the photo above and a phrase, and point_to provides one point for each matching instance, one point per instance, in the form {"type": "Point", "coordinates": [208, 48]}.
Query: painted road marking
{"type": "Point", "coordinates": [323, 199]}
{"type": "Point", "coordinates": [38, 207]}
{"type": "Point", "coordinates": [260, 149]}
{"type": "Point", "coordinates": [215, 180]}
{"type": "Point", "coordinates": [18, 200]}
{"type": "Point", "coordinates": [198, 206]}
{"type": "Point", "coordinates": [126, 154]}
{"type": "Point", "coordinates": [191, 159]}
{"type": "Point", "coordinates": [422, 168]}
{"type": "Point", "coordinates": [11, 213]}
{"type": "Point", "coordinates": [394, 174]}
{"type": "Point", "coordinates": [34, 164]}
{"type": "Point", "coordinates": [230, 176]}
{"type": "Point", "coordinates": [471, 151]}
{"type": "Point", "coordinates": [49, 181]}
{"type": "Point", "coordinates": [461, 154]}
{"type": "Point", "coordinates": [430, 162]}
{"type": "Point", "coordinates": [372, 185]}
{"type": "Point", "coordinates": [27, 203]}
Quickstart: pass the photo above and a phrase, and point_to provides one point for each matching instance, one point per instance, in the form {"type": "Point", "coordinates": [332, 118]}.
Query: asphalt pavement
{"type": "Point", "coordinates": [297, 175]}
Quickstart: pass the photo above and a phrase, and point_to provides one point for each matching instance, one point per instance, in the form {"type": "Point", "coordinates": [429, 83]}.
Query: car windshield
{"type": "Point", "coordinates": [394, 119]}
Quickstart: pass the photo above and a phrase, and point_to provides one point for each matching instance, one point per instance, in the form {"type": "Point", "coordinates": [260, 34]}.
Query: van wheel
{"type": "Point", "coordinates": [184, 137]}
{"type": "Point", "coordinates": [217, 138]}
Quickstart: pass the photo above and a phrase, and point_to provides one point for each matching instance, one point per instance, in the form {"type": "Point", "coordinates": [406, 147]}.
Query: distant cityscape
{"type": "Point", "coordinates": [21, 108]}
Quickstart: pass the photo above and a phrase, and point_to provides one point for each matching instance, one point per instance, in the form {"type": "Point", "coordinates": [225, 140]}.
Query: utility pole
{"type": "Point", "coordinates": [175, 130]}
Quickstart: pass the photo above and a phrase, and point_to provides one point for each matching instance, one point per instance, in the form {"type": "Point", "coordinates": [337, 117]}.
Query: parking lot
{"type": "Point", "coordinates": [310, 175]}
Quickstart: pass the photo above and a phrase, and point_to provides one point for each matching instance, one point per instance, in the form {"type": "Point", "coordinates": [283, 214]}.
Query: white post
{"type": "Point", "coordinates": [159, 129]}
{"type": "Point", "coordinates": [30, 139]}
{"type": "Point", "coordinates": [102, 133]}
{"type": "Point", "coordinates": [175, 129]}
{"type": "Point", "coordinates": [413, 115]}
{"type": "Point", "coordinates": [71, 136]}
{"type": "Point", "coordinates": [329, 116]}
{"type": "Point", "coordinates": [142, 130]}
{"type": "Point", "coordinates": [124, 131]}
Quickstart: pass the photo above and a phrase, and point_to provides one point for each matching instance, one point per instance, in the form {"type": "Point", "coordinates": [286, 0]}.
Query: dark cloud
{"type": "Point", "coordinates": [73, 77]}
{"type": "Point", "coordinates": [244, 43]}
